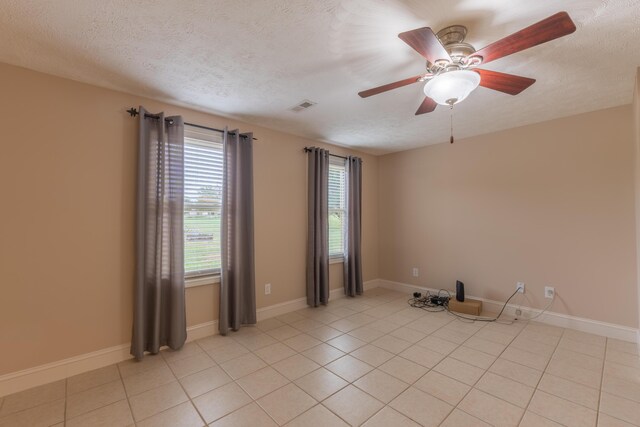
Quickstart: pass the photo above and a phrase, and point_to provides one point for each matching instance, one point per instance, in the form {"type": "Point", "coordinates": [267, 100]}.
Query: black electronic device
{"type": "Point", "coordinates": [459, 291]}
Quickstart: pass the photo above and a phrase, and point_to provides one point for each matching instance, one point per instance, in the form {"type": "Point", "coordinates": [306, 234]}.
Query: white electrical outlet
{"type": "Point", "coordinates": [520, 287]}
{"type": "Point", "coordinates": [549, 292]}
{"type": "Point", "coordinates": [416, 273]}
{"type": "Point", "coordinates": [267, 289]}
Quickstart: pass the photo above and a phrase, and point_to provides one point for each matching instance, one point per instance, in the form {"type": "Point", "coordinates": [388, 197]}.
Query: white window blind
{"type": "Point", "coordinates": [202, 201]}
{"type": "Point", "coordinates": [337, 206]}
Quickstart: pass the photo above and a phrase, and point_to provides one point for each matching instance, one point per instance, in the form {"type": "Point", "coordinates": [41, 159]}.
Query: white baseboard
{"type": "Point", "coordinates": [54, 371]}
{"type": "Point", "coordinates": [597, 327]}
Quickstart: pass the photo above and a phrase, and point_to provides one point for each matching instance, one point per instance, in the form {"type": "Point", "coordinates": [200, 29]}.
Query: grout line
{"type": "Point", "coordinates": [126, 396]}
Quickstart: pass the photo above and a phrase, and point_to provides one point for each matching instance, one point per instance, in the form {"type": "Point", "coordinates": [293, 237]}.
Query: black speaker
{"type": "Point", "coordinates": [459, 291]}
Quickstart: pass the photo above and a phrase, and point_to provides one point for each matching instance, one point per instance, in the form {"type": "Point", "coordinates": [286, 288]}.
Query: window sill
{"type": "Point", "coordinates": [336, 260]}
{"type": "Point", "coordinates": [201, 281]}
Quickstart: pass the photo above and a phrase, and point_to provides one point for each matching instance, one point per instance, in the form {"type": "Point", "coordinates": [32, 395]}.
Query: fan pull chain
{"type": "Point", "coordinates": [451, 138]}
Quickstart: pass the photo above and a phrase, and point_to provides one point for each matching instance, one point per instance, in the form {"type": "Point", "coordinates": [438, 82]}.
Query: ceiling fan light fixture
{"type": "Point", "coordinates": [452, 87]}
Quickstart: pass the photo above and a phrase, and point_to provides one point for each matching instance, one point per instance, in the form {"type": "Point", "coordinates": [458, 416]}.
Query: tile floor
{"type": "Point", "coordinates": [369, 361]}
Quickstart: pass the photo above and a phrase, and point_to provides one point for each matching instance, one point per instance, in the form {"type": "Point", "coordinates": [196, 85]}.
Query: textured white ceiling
{"type": "Point", "coordinates": [253, 60]}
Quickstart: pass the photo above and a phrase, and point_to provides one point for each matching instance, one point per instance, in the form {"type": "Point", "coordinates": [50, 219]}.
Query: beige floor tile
{"type": "Point", "coordinates": [403, 369]}
{"type": "Point", "coordinates": [485, 346]}
{"type": "Point", "coordinates": [94, 398]}
{"type": "Point", "coordinates": [92, 379]}
{"type": "Point", "coordinates": [490, 409]}
{"type": "Point", "coordinates": [183, 415]}
{"type": "Point", "coordinates": [522, 374]}
{"type": "Point", "coordinates": [133, 367]}
{"type": "Point", "coordinates": [307, 325]}
{"type": "Point", "coordinates": [456, 337]}
{"type": "Point", "coordinates": [391, 344]}
{"type": "Point", "coordinates": [114, 415]}
{"type": "Point", "coordinates": [302, 342]}
{"type": "Point", "coordinates": [622, 371]}
{"type": "Point", "coordinates": [326, 317]}
{"type": "Point", "coordinates": [627, 347]}
{"type": "Point", "coordinates": [290, 317]}
{"type": "Point", "coordinates": [584, 337]}
{"type": "Point", "coordinates": [381, 385]}
{"type": "Point", "coordinates": [494, 336]}
{"type": "Point", "coordinates": [531, 419]}
{"type": "Point", "coordinates": [565, 369]}
{"type": "Point", "coordinates": [256, 341]}
{"type": "Point", "coordinates": [383, 326]}
{"type": "Point", "coordinates": [295, 367]}
{"type": "Point", "coordinates": [43, 415]}
{"type": "Point", "coordinates": [346, 343]}
{"type": "Point", "coordinates": [578, 359]}
{"type": "Point", "coordinates": [409, 335]}
{"type": "Point", "coordinates": [321, 383]}
{"type": "Point", "coordinates": [605, 420]}
{"type": "Point", "coordinates": [323, 354]}
{"type": "Point", "coordinates": [531, 346]}
{"type": "Point", "coordinates": [139, 383]}
{"type": "Point", "coordinates": [229, 351]}
{"type": "Point", "coordinates": [249, 415]}
{"type": "Point", "coordinates": [286, 403]}
{"type": "Point", "coordinates": [204, 381]}
{"type": "Point", "coordinates": [284, 332]}
{"type": "Point", "coordinates": [422, 356]}
{"type": "Point", "coordinates": [274, 353]}
{"type": "Point", "coordinates": [353, 405]}
{"type": "Point", "coordinates": [269, 324]}
{"type": "Point", "coordinates": [318, 416]}
{"type": "Point", "coordinates": [595, 350]}
{"type": "Point", "coordinates": [505, 389]}
{"type": "Point", "coordinates": [388, 417]}
{"type": "Point", "coordinates": [460, 371]}
{"type": "Point", "coordinates": [621, 387]}
{"type": "Point", "coordinates": [421, 407]}
{"type": "Point", "coordinates": [345, 325]}
{"type": "Point", "coordinates": [324, 333]}
{"type": "Point", "coordinates": [442, 387]}
{"type": "Point", "coordinates": [372, 355]}
{"type": "Point", "coordinates": [561, 411]}
{"type": "Point", "coordinates": [221, 401]}
{"type": "Point", "coordinates": [33, 397]}
{"type": "Point", "coordinates": [569, 390]}
{"type": "Point", "coordinates": [262, 382]}
{"type": "Point", "coordinates": [349, 368]}
{"type": "Point", "coordinates": [623, 358]}
{"type": "Point", "coordinates": [621, 408]}
{"type": "Point", "coordinates": [532, 360]}
{"type": "Point", "coordinates": [458, 418]}
{"type": "Point", "coordinates": [157, 400]}
{"type": "Point", "coordinates": [367, 333]}
{"type": "Point", "coordinates": [438, 345]}
{"type": "Point", "coordinates": [243, 365]}
{"type": "Point", "coordinates": [188, 350]}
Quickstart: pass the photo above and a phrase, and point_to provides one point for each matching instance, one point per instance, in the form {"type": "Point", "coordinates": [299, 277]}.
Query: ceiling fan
{"type": "Point", "coordinates": [451, 63]}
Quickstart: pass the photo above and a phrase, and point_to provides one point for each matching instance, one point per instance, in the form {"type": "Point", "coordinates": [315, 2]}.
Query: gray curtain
{"type": "Point", "coordinates": [159, 310]}
{"type": "Point", "coordinates": [237, 282]}
{"type": "Point", "coordinates": [353, 245]}
{"type": "Point", "coordinates": [318, 227]}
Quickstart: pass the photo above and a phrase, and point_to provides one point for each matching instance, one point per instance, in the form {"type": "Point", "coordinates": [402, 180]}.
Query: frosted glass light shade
{"type": "Point", "coordinates": [452, 87]}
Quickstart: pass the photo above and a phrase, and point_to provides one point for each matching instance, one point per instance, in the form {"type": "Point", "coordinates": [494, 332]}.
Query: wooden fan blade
{"type": "Point", "coordinates": [548, 29]}
{"type": "Point", "coordinates": [507, 83]}
{"type": "Point", "coordinates": [425, 42]}
{"type": "Point", "coordinates": [390, 86]}
{"type": "Point", "coordinates": [427, 106]}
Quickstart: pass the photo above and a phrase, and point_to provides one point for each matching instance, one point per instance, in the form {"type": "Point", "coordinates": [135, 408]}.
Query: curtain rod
{"type": "Point", "coordinates": [134, 112]}
{"type": "Point", "coordinates": [307, 149]}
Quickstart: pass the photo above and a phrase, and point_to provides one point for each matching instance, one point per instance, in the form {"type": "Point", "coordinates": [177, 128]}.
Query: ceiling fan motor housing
{"type": "Point", "coordinates": [452, 39]}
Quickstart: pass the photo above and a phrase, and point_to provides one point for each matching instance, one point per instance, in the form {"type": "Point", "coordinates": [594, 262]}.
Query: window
{"type": "Point", "coordinates": [202, 201]}
{"type": "Point", "coordinates": [337, 207]}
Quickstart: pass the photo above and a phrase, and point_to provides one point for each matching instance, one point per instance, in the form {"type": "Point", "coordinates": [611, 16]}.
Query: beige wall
{"type": "Point", "coordinates": [636, 127]}
{"type": "Point", "coordinates": [67, 180]}
{"type": "Point", "coordinates": [546, 204]}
